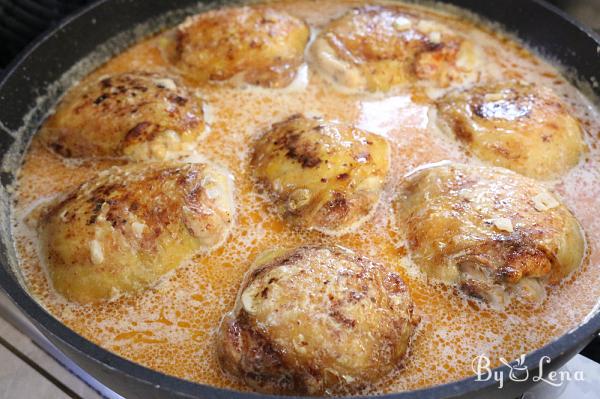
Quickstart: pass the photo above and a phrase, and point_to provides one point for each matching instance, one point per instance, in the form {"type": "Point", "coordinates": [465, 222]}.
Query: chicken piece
{"type": "Point", "coordinates": [493, 233]}
{"type": "Point", "coordinates": [316, 320]}
{"type": "Point", "coordinates": [322, 175]}
{"type": "Point", "coordinates": [258, 45]}
{"type": "Point", "coordinates": [523, 127]}
{"type": "Point", "coordinates": [377, 48]}
{"type": "Point", "coordinates": [136, 115]}
{"type": "Point", "coordinates": [128, 226]}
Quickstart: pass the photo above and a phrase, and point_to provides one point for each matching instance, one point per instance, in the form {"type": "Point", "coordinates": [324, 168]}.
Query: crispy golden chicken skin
{"type": "Point", "coordinates": [260, 45]}
{"type": "Point", "coordinates": [316, 320]}
{"type": "Point", "coordinates": [488, 230]}
{"type": "Point", "coordinates": [322, 175]}
{"type": "Point", "coordinates": [377, 48]}
{"type": "Point", "coordinates": [137, 115]}
{"type": "Point", "coordinates": [523, 127]}
{"type": "Point", "coordinates": [122, 230]}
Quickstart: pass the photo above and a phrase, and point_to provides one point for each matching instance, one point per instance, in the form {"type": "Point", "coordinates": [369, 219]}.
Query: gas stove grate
{"type": "Point", "coordinates": [21, 21]}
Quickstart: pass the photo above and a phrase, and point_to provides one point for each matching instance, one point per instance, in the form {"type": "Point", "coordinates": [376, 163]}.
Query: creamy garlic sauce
{"type": "Point", "coordinates": [171, 327]}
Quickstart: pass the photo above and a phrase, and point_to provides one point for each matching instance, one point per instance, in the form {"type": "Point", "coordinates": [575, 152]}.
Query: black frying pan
{"type": "Point", "coordinates": [47, 60]}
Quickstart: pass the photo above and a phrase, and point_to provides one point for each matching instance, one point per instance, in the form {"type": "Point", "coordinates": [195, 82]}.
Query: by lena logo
{"type": "Point", "coordinates": [518, 372]}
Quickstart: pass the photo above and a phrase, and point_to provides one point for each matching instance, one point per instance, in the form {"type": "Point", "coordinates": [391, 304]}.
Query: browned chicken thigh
{"type": "Point", "coordinates": [493, 233]}
{"type": "Point", "coordinates": [519, 126]}
{"type": "Point", "coordinates": [376, 48]}
{"type": "Point", "coordinates": [322, 175]}
{"type": "Point", "coordinates": [125, 228]}
{"type": "Point", "coordinates": [136, 115]}
{"type": "Point", "coordinates": [316, 320]}
{"type": "Point", "coordinates": [258, 45]}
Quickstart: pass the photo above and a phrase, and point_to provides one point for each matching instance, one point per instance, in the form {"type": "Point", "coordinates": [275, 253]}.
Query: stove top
{"type": "Point", "coordinates": [10, 313]}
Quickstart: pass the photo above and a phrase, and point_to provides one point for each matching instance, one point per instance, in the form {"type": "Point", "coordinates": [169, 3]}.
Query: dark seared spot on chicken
{"type": "Point", "coordinates": [96, 210]}
{"type": "Point", "coordinates": [473, 288]}
{"type": "Point", "coordinates": [180, 38]}
{"type": "Point", "coordinates": [462, 132]}
{"type": "Point", "coordinates": [338, 316]}
{"type": "Point", "coordinates": [291, 140]}
{"type": "Point", "coordinates": [305, 153]}
{"type": "Point", "coordinates": [60, 149]}
{"type": "Point", "coordinates": [521, 258]}
{"type": "Point", "coordinates": [101, 98]}
{"type": "Point", "coordinates": [338, 205]}
{"type": "Point", "coordinates": [106, 83]}
{"type": "Point", "coordinates": [143, 130]}
{"type": "Point", "coordinates": [179, 100]}
{"type": "Point", "coordinates": [429, 46]}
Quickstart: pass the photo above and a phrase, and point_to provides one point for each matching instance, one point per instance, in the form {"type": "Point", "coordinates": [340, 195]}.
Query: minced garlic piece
{"type": "Point", "coordinates": [493, 97]}
{"type": "Point", "coordinates": [171, 135]}
{"type": "Point", "coordinates": [503, 224]}
{"type": "Point", "coordinates": [138, 229]}
{"type": "Point", "coordinates": [427, 26]}
{"type": "Point", "coordinates": [63, 215]}
{"type": "Point", "coordinates": [435, 37]}
{"type": "Point", "coordinates": [166, 83]}
{"type": "Point", "coordinates": [96, 253]}
{"type": "Point", "coordinates": [248, 302]}
{"type": "Point", "coordinates": [158, 150]}
{"type": "Point", "coordinates": [544, 201]}
{"type": "Point", "coordinates": [298, 198]}
{"type": "Point", "coordinates": [402, 23]}
{"type": "Point", "coordinates": [211, 187]}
